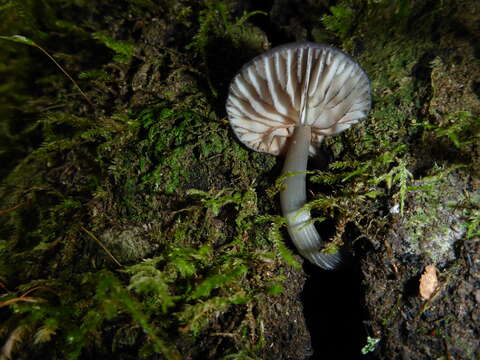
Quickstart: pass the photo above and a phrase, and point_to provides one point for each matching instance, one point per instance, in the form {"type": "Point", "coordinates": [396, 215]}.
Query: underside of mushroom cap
{"type": "Point", "coordinates": [296, 84]}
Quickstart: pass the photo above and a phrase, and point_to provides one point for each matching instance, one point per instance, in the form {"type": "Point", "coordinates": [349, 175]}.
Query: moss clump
{"type": "Point", "coordinates": [418, 148]}
{"type": "Point", "coordinates": [435, 221]}
{"type": "Point", "coordinates": [130, 232]}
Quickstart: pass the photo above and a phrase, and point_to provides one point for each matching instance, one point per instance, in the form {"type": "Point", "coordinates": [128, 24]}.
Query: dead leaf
{"type": "Point", "coordinates": [428, 282]}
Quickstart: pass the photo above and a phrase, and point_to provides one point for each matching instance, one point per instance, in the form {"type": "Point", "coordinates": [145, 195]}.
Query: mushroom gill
{"type": "Point", "coordinates": [287, 100]}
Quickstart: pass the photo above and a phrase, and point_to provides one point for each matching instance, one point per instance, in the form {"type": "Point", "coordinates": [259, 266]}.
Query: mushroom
{"type": "Point", "coordinates": [287, 100]}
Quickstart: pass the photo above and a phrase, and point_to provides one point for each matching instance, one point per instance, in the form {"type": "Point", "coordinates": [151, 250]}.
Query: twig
{"type": "Point", "coordinates": [13, 208]}
{"type": "Point", "coordinates": [21, 298]}
{"type": "Point", "coordinates": [225, 334]}
{"type": "Point", "coordinates": [37, 288]}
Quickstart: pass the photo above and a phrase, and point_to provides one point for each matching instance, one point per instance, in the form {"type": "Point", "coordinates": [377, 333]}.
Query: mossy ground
{"type": "Point", "coordinates": [131, 228]}
{"type": "Point", "coordinates": [140, 228]}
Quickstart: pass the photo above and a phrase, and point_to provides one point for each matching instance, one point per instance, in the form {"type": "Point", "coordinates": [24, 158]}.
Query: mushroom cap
{"type": "Point", "coordinates": [301, 83]}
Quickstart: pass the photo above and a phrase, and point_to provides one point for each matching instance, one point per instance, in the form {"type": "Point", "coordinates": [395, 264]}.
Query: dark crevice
{"type": "Point", "coordinates": [334, 300]}
{"type": "Point", "coordinates": [476, 89]}
{"type": "Point", "coordinates": [335, 312]}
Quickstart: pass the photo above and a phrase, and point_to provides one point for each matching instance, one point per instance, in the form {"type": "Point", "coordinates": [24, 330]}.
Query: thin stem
{"type": "Point", "coordinates": [65, 72]}
{"type": "Point", "coordinates": [293, 198]}
{"type": "Point", "coordinates": [102, 246]}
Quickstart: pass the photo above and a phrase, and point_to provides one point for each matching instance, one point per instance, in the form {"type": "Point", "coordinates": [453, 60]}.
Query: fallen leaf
{"type": "Point", "coordinates": [428, 282]}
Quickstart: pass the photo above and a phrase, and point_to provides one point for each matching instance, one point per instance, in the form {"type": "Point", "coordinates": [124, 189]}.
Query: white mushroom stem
{"type": "Point", "coordinates": [294, 196]}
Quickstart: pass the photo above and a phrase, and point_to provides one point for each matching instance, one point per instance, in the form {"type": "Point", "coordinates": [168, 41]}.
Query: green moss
{"type": "Point", "coordinates": [124, 180]}
{"type": "Point", "coordinates": [383, 164]}
{"type": "Point", "coordinates": [123, 50]}
{"type": "Point", "coordinates": [437, 215]}
{"type": "Point", "coordinates": [164, 186]}
{"type": "Point", "coordinates": [192, 284]}
{"type": "Point", "coordinates": [222, 39]}
{"type": "Point", "coordinates": [340, 21]}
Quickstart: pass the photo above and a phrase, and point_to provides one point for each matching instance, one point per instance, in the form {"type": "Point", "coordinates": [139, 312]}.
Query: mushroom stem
{"type": "Point", "coordinates": [294, 196]}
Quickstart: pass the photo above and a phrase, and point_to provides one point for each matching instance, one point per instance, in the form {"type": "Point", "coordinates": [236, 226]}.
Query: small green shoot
{"type": "Point", "coordinates": [275, 289]}
{"type": "Point", "coordinates": [371, 345]}
{"type": "Point", "coordinates": [463, 131]}
{"type": "Point", "coordinates": [397, 175]}
{"type": "Point", "coordinates": [473, 225]}
{"type": "Point", "coordinates": [340, 21]}
{"type": "Point", "coordinates": [275, 237]}
{"type": "Point", "coordinates": [214, 202]}
{"type": "Point", "coordinates": [123, 49]}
